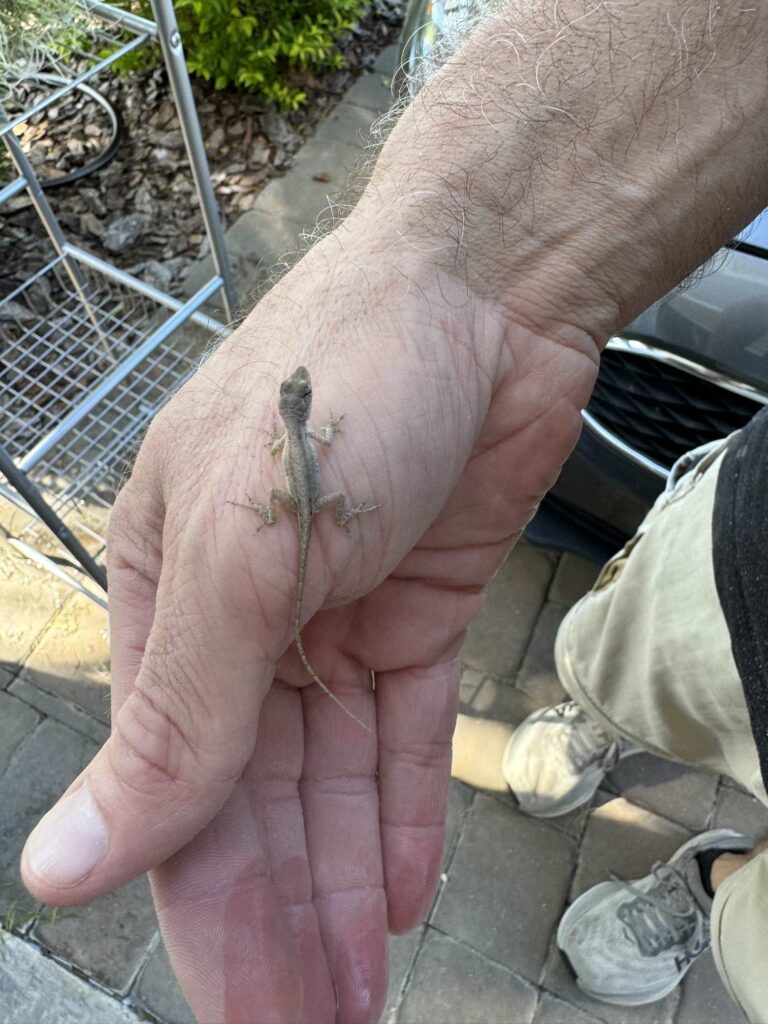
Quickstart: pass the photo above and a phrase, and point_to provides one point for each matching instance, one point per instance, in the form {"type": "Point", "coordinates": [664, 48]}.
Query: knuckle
{"type": "Point", "coordinates": [152, 753]}
{"type": "Point", "coordinates": [134, 526]}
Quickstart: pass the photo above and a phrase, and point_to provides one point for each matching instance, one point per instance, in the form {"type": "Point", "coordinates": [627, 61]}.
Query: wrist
{"type": "Point", "coordinates": [361, 288]}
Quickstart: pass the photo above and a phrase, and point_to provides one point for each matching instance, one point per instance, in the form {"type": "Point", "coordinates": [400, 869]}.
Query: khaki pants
{"type": "Point", "coordinates": [647, 653]}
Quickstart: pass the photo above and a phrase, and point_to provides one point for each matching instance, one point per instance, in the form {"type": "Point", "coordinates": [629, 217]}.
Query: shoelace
{"type": "Point", "coordinates": [588, 744]}
{"type": "Point", "coordinates": [666, 915]}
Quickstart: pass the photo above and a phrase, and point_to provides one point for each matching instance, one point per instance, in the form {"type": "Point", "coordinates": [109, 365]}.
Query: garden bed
{"type": "Point", "coordinates": [140, 210]}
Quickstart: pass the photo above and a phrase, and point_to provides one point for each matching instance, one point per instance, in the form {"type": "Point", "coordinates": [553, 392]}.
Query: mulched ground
{"type": "Point", "coordinates": [139, 211]}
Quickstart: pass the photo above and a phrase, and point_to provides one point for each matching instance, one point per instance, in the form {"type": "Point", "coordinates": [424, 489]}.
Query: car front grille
{"type": "Point", "coordinates": [660, 409]}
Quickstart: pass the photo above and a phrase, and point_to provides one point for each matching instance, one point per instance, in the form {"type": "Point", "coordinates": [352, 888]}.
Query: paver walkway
{"type": "Point", "coordinates": [486, 953]}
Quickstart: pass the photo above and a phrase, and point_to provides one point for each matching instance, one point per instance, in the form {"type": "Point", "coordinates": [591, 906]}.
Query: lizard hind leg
{"type": "Point", "coordinates": [344, 511]}
{"type": "Point", "coordinates": [268, 513]}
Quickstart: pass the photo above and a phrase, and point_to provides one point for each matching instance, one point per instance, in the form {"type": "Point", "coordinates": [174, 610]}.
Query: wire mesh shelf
{"type": "Point", "coordinates": [49, 362]}
{"type": "Point", "coordinates": [88, 353]}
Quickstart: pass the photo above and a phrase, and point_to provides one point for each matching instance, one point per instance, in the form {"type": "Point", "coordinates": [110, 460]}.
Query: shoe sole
{"type": "Point", "coordinates": [611, 1000]}
{"type": "Point", "coordinates": [582, 905]}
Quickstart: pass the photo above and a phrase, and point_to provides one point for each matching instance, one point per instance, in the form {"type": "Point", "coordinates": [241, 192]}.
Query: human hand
{"type": "Point", "coordinates": [285, 839]}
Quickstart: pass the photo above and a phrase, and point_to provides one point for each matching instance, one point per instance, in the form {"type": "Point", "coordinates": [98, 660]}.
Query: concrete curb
{"type": "Point", "coordinates": [291, 205]}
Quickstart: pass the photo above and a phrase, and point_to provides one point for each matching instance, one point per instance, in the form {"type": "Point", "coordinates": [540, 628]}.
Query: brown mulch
{"type": "Point", "coordinates": [140, 210]}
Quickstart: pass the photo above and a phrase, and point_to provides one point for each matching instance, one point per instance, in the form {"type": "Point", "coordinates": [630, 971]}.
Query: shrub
{"type": "Point", "coordinates": [257, 44]}
{"type": "Point", "coordinates": [31, 33]}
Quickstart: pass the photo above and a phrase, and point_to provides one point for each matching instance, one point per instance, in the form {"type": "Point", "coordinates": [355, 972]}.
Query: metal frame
{"type": "Point", "coordinates": [95, 314]}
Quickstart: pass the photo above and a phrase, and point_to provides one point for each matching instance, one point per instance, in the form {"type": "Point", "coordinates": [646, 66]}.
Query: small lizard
{"type": "Point", "coordinates": [302, 478]}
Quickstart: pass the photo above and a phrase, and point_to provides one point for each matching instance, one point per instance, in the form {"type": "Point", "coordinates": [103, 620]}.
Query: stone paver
{"type": "Point", "coordinates": [471, 680]}
{"type": "Point", "coordinates": [41, 768]}
{"type": "Point", "coordinates": [402, 952]}
{"type": "Point", "coordinates": [454, 985]}
{"type": "Point", "coordinates": [348, 124]}
{"type": "Point", "coordinates": [682, 794]}
{"type": "Point", "coordinates": [624, 840]}
{"type": "Point", "coordinates": [72, 658]}
{"type": "Point", "coordinates": [320, 171]}
{"type": "Point", "coordinates": [555, 1011]}
{"type": "Point", "coordinates": [158, 991]}
{"type": "Point", "coordinates": [497, 640]}
{"type": "Point", "coordinates": [507, 885]}
{"type": "Point", "coordinates": [703, 996]}
{"type": "Point", "coordinates": [36, 990]}
{"type": "Point", "coordinates": [459, 802]}
{"type": "Point", "coordinates": [574, 577]}
{"type": "Point", "coordinates": [372, 90]}
{"type": "Point", "coordinates": [108, 938]}
{"type": "Point", "coordinates": [64, 711]}
{"type": "Point", "coordinates": [502, 702]}
{"type": "Point", "coordinates": [17, 720]}
{"type": "Point", "coordinates": [740, 811]}
{"type": "Point", "coordinates": [29, 598]}
{"type": "Point", "coordinates": [573, 823]}
{"type": "Point", "coordinates": [255, 243]}
{"type": "Point", "coordinates": [387, 60]}
{"type": "Point", "coordinates": [537, 676]}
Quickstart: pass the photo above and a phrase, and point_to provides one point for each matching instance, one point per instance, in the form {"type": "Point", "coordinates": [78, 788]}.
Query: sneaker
{"type": "Point", "coordinates": [557, 757]}
{"type": "Point", "coordinates": [631, 943]}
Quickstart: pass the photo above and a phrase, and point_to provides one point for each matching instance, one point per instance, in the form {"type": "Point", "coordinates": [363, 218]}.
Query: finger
{"type": "Point", "coordinates": [227, 935]}
{"type": "Point", "coordinates": [235, 906]}
{"type": "Point", "coordinates": [179, 742]}
{"type": "Point", "coordinates": [416, 712]}
{"type": "Point", "coordinates": [274, 777]}
{"type": "Point", "coordinates": [134, 564]}
{"type": "Point", "coordinates": [341, 810]}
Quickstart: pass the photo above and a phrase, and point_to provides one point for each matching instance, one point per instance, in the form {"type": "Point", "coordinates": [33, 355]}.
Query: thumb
{"type": "Point", "coordinates": [180, 739]}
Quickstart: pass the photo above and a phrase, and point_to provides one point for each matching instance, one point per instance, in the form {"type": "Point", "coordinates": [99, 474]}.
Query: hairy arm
{"type": "Point", "coordinates": [574, 160]}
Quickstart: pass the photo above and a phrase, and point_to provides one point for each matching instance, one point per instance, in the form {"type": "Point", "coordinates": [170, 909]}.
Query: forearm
{"type": "Point", "coordinates": [573, 161]}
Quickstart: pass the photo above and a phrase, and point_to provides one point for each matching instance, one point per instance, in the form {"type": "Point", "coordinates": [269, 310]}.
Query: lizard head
{"type": "Point", "coordinates": [296, 396]}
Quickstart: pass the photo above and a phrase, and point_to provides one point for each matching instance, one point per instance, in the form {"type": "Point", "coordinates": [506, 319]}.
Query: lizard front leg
{"type": "Point", "coordinates": [277, 443]}
{"type": "Point", "coordinates": [329, 431]}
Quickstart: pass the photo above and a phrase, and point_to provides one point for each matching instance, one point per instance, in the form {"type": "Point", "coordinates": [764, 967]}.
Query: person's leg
{"type": "Point", "coordinates": [739, 928]}
{"type": "Point", "coordinates": [647, 652]}
{"type": "Point", "coordinates": [646, 656]}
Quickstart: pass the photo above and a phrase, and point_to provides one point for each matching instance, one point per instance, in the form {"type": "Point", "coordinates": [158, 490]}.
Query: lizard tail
{"type": "Point", "coordinates": [306, 663]}
{"type": "Point", "coordinates": [297, 630]}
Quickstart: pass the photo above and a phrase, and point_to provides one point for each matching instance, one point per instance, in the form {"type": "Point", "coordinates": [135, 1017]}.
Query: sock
{"type": "Point", "coordinates": [705, 860]}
